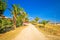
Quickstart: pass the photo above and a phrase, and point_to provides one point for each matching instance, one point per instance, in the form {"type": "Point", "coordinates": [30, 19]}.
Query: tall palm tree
{"type": "Point", "coordinates": [16, 12]}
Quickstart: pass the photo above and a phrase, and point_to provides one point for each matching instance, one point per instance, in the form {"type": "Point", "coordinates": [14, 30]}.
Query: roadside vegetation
{"type": "Point", "coordinates": [51, 30]}
{"type": "Point", "coordinates": [46, 26]}
{"type": "Point", "coordinates": [19, 16]}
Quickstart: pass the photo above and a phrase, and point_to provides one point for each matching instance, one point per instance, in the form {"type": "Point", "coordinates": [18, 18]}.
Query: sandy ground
{"type": "Point", "coordinates": [30, 33]}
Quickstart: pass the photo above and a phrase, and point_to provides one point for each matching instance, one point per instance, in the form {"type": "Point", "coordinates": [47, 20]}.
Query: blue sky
{"type": "Point", "coordinates": [44, 9]}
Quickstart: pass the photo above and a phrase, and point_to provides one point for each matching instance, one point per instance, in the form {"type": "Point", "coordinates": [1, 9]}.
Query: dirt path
{"type": "Point", "coordinates": [30, 33]}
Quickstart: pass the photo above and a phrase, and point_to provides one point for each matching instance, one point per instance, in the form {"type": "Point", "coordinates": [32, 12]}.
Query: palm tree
{"type": "Point", "coordinates": [24, 15]}
{"type": "Point", "coordinates": [16, 12]}
{"type": "Point", "coordinates": [2, 7]}
{"type": "Point", "coordinates": [44, 22]}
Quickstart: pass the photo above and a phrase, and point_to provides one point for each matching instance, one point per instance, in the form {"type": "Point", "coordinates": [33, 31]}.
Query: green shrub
{"type": "Point", "coordinates": [6, 25]}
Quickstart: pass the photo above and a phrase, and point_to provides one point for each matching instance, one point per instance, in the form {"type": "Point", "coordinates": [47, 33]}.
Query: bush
{"type": "Point", "coordinates": [19, 23]}
{"type": "Point", "coordinates": [5, 29]}
{"type": "Point", "coordinates": [6, 25]}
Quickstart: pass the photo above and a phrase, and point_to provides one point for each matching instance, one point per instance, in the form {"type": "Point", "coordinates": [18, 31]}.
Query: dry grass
{"type": "Point", "coordinates": [51, 31]}
{"type": "Point", "coordinates": [10, 35]}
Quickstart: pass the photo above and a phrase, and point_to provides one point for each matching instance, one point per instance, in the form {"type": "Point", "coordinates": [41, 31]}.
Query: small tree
{"type": "Point", "coordinates": [44, 22]}
{"type": "Point", "coordinates": [37, 19]}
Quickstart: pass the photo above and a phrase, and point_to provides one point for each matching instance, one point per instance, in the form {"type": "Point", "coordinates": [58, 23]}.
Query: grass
{"type": "Point", "coordinates": [51, 31]}
{"type": "Point", "coordinates": [11, 34]}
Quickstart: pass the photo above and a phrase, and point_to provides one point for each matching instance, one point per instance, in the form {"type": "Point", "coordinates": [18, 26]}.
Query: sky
{"type": "Point", "coordinates": [44, 9]}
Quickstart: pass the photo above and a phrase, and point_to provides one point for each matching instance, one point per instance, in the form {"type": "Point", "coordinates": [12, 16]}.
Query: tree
{"type": "Point", "coordinates": [3, 6]}
{"type": "Point", "coordinates": [23, 17]}
{"type": "Point", "coordinates": [26, 19]}
{"type": "Point", "coordinates": [19, 20]}
{"type": "Point", "coordinates": [37, 19]}
{"type": "Point", "coordinates": [44, 22]}
{"type": "Point", "coordinates": [16, 12]}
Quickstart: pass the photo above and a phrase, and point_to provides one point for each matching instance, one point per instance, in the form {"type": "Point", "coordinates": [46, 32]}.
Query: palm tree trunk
{"type": "Point", "coordinates": [14, 21]}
